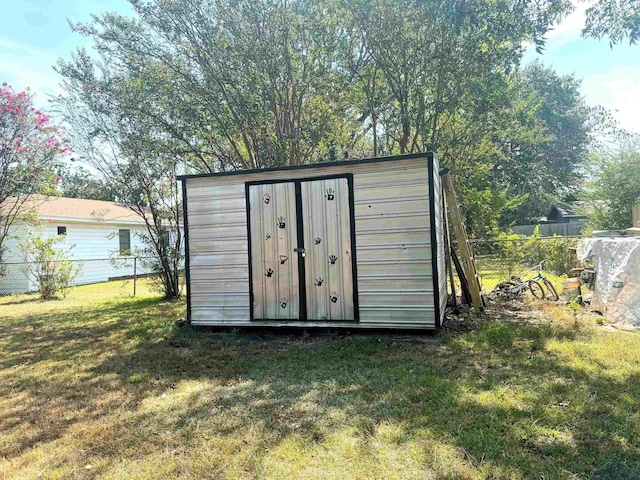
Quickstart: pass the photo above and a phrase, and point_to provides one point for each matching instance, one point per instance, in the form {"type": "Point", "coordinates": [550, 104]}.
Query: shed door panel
{"type": "Point", "coordinates": [274, 265]}
{"type": "Point", "coordinates": [327, 241]}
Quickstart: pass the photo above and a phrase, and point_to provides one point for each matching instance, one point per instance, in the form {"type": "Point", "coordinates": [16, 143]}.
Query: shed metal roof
{"type": "Point", "coordinates": [388, 158]}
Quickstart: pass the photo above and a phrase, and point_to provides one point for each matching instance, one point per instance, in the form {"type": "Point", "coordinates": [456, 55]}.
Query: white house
{"type": "Point", "coordinates": [100, 234]}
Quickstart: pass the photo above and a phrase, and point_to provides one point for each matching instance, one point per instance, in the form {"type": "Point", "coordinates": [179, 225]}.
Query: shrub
{"type": "Point", "coordinates": [560, 255]}
{"type": "Point", "coordinates": [534, 248]}
{"type": "Point", "coordinates": [49, 267]}
{"type": "Point", "coordinates": [511, 253]}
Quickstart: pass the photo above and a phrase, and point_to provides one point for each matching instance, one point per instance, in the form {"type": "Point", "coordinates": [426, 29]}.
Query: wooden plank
{"type": "Point", "coordinates": [466, 256]}
{"type": "Point", "coordinates": [447, 245]}
{"type": "Point", "coordinates": [287, 259]}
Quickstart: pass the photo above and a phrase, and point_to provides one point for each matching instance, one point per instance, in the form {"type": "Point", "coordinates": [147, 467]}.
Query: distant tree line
{"type": "Point", "coordinates": [203, 86]}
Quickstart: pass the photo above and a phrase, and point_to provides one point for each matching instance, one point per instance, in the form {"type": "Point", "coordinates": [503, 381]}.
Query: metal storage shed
{"type": "Point", "coordinates": [352, 244]}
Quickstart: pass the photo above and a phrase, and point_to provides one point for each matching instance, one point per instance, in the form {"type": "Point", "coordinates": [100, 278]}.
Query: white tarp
{"type": "Point", "coordinates": [617, 289]}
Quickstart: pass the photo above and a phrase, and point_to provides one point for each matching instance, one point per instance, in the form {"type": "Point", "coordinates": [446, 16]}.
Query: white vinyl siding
{"type": "Point", "coordinates": [94, 243]}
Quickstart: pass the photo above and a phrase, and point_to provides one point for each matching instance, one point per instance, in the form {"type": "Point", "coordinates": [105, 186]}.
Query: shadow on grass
{"type": "Point", "coordinates": [499, 394]}
{"type": "Point", "coordinates": [540, 431]}
{"type": "Point", "coordinates": [22, 301]}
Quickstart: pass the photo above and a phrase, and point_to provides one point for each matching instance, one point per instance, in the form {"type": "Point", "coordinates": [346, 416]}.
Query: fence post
{"type": "Point", "coordinates": [135, 274]}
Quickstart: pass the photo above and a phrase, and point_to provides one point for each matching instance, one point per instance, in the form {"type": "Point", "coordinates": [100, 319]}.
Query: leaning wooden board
{"type": "Point", "coordinates": [466, 257]}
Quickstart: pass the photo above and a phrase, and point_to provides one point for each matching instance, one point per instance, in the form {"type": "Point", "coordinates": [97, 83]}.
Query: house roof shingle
{"type": "Point", "coordinates": [578, 208]}
{"type": "Point", "coordinates": [80, 209]}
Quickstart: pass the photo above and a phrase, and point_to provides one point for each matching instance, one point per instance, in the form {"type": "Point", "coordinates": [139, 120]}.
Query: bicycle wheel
{"type": "Point", "coordinates": [551, 290]}
{"type": "Point", "coordinates": [536, 289]}
{"type": "Point", "coordinates": [504, 286]}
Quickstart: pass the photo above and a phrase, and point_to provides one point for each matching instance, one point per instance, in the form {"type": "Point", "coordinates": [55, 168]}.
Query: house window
{"type": "Point", "coordinates": [62, 230]}
{"type": "Point", "coordinates": [165, 239]}
{"type": "Point", "coordinates": [125, 241]}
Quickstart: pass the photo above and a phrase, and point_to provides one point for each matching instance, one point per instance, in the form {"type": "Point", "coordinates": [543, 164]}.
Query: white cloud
{"type": "Point", "coordinates": [572, 23]}
{"type": "Point", "coordinates": [570, 28]}
{"type": "Point", "coordinates": [24, 66]}
{"type": "Point", "coordinates": [618, 91]}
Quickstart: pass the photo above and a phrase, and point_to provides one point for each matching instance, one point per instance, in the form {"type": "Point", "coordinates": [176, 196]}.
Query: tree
{"type": "Point", "coordinates": [236, 84]}
{"type": "Point", "coordinates": [79, 182]}
{"type": "Point", "coordinates": [441, 76]}
{"type": "Point", "coordinates": [616, 185]}
{"type": "Point", "coordinates": [544, 140]}
{"type": "Point", "coordinates": [435, 58]}
{"type": "Point", "coordinates": [616, 19]}
{"type": "Point", "coordinates": [133, 156]}
{"type": "Point", "coordinates": [519, 147]}
{"type": "Point", "coordinates": [30, 148]}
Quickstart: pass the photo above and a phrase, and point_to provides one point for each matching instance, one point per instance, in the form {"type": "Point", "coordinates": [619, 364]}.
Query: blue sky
{"type": "Point", "coordinates": [35, 33]}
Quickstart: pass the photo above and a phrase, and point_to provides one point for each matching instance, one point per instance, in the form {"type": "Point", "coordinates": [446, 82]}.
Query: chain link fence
{"type": "Point", "coordinates": [497, 261]}
{"type": "Point", "coordinates": [500, 259]}
{"type": "Point", "coordinates": [118, 276]}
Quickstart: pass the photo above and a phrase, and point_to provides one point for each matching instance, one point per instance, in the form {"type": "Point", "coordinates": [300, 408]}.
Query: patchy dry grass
{"type": "Point", "coordinates": [96, 387]}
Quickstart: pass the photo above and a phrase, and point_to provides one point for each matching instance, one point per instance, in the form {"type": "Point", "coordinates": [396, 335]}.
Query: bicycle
{"type": "Point", "coordinates": [514, 288]}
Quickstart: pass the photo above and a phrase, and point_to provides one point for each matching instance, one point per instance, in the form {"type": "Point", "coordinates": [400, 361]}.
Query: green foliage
{"type": "Point", "coordinates": [560, 255]}
{"type": "Point", "coordinates": [133, 157]}
{"type": "Point", "coordinates": [81, 183]}
{"type": "Point", "coordinates": [31, 146]}
{"type": "Point", "coordinates": [616, 186]}
{"type": "Point", "coordinates": [225, 85]}
{"type": "Point", "coordinates": [50, 268]}
{"type": "Point", "coordinates": [535, 248]}
{"type": "Point", "coordinates": [511, 253]}
{"type": "Point", "coordinates": [615, 19]}
{"type": "Point", "coordinates": [544, 137]}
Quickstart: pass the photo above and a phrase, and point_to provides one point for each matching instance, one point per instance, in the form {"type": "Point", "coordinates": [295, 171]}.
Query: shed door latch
{"type": "Point", "coordinates": [299, 250]}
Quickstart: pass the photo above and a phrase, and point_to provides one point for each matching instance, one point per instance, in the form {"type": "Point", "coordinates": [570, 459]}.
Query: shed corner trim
{"type": "Point", "coordinates": [434, 241]}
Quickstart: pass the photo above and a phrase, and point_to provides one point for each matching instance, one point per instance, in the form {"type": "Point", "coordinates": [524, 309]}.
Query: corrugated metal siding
{"type": "Point", "coordinates": [327, 241]}
{"type": "Point", "coordinates": [439, 218]}
{"type": "Point", "coordinates": [393, 248]}
{"type": "Point", "coordinates": [393, 252]}
{"type": "Point", "coordinates": [274, 264]}
{"type": "Point", "coordinates": [218, 252]}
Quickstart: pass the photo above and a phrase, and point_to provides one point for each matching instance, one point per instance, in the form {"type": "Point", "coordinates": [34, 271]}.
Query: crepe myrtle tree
{"type": "Point", "coordinates": [31, 145]}
{"type": "Point", "coordinates": [157, 201]}
{"type": "Point", "coordinates": [146, 184]}
{"type": "Point", "coordinates": [131, 155]}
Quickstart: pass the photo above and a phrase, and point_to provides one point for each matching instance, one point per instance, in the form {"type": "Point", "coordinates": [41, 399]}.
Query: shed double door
{"type": "Point", "coordinates": [301, 250]}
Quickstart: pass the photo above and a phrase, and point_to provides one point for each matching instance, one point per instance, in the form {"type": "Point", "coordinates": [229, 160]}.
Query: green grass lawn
{"type": "Point", "coordinates": [101, 387]}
